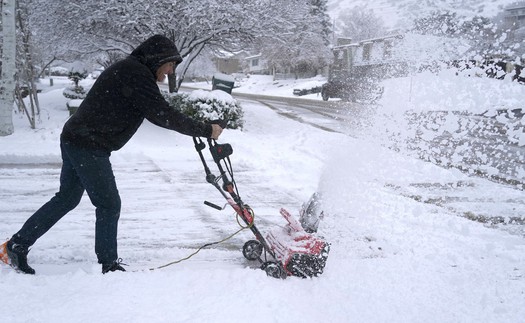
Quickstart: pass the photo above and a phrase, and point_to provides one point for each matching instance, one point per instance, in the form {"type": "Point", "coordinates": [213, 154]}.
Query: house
{"type": "Point", "coordinates": [230, 63]}
{"type": "Point", "coordinates": [240, 62]}
{"type": "Point", "coordinates": [515, 14]}
{"type": "Point", "coordinates": [255, 64]}
{"type": "Point", "coordinates": [358, 66]}
{"type": "Point", "coordinates": [391, 55]}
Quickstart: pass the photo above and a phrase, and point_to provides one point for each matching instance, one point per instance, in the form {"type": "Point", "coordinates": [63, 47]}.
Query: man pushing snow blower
{"type": "Point", "coordinates": [122, 97]}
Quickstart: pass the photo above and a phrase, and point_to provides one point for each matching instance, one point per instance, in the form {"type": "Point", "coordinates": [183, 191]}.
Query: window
{"type": "Point", "coordinates": [255, 62]}
{"type": "Point", "coordinates": [340, 57]}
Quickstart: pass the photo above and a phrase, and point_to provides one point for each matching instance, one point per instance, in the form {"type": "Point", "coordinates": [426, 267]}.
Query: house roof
{"type": "Point", "coordinates": [237, 54]}
{"type": "Point", "coordinates": [371, 40]}
{"type": "Point", "coordinates": [516, 6]}
{"type": "Point", "coordinates": [253, 56]}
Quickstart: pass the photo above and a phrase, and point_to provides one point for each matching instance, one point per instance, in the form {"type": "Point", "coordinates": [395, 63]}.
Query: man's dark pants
{"type": "Point", "coordinates": [82, 169]}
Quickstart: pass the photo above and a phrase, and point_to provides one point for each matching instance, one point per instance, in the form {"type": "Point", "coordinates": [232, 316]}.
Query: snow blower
{"type": "Point", "coordinates": [292, 250]}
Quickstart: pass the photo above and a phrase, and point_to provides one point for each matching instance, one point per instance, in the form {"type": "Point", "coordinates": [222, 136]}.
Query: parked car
{"type": "Point", "coordinates": [336, 89]}
{"type": "Point", "coordinates": [301, 92]}
{"type": "Point", "coordinates": [362, 90]}
{"type": "Point", "coordinates": [24, 91]}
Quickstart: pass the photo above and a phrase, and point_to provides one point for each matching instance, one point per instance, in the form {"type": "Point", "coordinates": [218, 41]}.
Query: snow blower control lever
{"type": "Point", "coordinates": [283, 252]}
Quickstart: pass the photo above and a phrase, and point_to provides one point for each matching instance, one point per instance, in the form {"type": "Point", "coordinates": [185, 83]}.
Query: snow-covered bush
{"type": "Point", "coordinates": [58, 71]}
{"type": "Point", "coordinates": [207, 106]}
{"type": "Point", "coordinates": [74, 92]}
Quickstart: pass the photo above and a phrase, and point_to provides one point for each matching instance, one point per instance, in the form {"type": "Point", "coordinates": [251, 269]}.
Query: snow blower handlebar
{"type": "Point", "coordinates": [220, 154]}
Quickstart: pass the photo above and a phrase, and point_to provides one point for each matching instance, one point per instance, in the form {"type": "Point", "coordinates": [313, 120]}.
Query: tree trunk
{"type": "Point", "coordinates": [30, 70]}
{"type": "Point", "coordinates": [183, 68]}
{"type": "Point", "coordinates": [7, 82]}
{"type": "Point", "coordinates": [22, 107]}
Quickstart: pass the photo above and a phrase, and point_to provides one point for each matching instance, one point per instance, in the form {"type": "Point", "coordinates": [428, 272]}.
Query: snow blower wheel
{"type": "Point", "coordinates": [252, 250]}
{"type": "Point", "coordinates": [273, 269]}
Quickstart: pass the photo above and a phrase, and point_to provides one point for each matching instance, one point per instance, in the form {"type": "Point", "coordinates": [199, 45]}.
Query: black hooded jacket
{"type": "Point", "coordinates": [123, 95]}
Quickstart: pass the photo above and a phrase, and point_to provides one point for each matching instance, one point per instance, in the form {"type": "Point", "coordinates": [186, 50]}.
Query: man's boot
{"type": "Point", "coordinates": [17, 255]}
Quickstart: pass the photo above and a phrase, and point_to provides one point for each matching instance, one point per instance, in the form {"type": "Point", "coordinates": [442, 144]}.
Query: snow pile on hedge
{"type": "Point", "coordinates": [75, 92]}
{"type": "Point", "coordinates": [207, 106]}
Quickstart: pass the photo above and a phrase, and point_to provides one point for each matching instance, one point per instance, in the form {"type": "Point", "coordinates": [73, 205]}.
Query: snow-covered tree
{"type": "Point", "coordinates": [7, 82]}
{"type": "Point", "coordinates": [117, 25]}
{"type": "Point", "coordinates": [488, 38]}
{"type": "Point", "coordinates": [359, 23]}
{"type": "Point", "coordinates": [88, 28]}
{"type": "Point", "coordinates": [300, 43]}
{"type": "Point", "coordinates": [439, 23]}
{"type": "Point", "coordinates": [76, 29]}
{"type": "Point", "coordinates": [319, 10]}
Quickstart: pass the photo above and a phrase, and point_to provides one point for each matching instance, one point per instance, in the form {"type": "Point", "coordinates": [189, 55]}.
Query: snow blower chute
{"type": "Point", "coordinates": [292, 250]}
